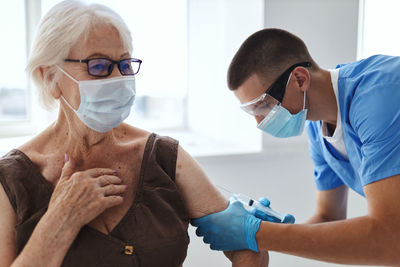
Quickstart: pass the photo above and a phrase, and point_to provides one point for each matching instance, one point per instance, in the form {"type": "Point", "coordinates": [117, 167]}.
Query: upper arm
{"type": "Point", "coordinates": [200, 195]}
{"type": "Point", "coordinates": [384, 209]}
{"type": "Point", "coordinates": [332, 204]}
{"type": "Point", "coordinates": [7, 234]}
{"type": "Point", "coordinates": [384, 199]}
{"type": "Point", "coordinates": [202, 198]}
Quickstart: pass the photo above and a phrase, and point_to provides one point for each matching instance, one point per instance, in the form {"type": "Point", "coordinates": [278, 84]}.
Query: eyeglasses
{"type": "Point", "coordinates": [273, 95]}
{"type": "Point", "coordinates": [260, 106]}
{"type": "Point", "coordinates": [102, 67]}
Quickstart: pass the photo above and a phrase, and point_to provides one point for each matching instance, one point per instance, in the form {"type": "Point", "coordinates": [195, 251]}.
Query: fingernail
{"type": "Point", "coordinates": [66, 158]}
{"type": "Point", "coordinates": [115, 171]}
{"type": "Point", "coordinates": [126, 187]}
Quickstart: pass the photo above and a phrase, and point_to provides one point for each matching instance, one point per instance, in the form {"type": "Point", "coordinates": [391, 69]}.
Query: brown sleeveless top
{"type": "Point", "coordinates": [152, 233]}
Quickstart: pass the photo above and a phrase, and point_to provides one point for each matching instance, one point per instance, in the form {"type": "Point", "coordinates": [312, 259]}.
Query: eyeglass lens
{"type": "Point", "coordinates": [104, 67]}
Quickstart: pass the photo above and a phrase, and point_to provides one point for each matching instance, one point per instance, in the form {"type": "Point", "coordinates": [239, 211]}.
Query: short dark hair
{"type": "Point", "coordinates": [267, 53]}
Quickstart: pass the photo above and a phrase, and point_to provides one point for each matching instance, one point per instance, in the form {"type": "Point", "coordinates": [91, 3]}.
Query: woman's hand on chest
{"type": "Point", "coordinates": [81, 196]}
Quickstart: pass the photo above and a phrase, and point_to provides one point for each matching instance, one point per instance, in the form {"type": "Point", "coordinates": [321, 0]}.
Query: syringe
{"type": "Point", "coordinates": [249, 203]}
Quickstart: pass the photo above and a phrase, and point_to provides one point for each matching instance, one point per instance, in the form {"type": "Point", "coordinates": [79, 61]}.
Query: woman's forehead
{"type": "Point", "coordinates": [103, 40]}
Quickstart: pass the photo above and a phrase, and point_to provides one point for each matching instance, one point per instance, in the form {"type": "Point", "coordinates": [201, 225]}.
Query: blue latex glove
{"type": "Point", "coordinates": [231, 229]}
{"type": "Point", "coordinates": [263, 216]}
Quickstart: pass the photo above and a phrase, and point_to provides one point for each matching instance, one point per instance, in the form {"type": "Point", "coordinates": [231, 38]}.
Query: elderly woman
{"type": "Point", "coordinates": [91, 190]}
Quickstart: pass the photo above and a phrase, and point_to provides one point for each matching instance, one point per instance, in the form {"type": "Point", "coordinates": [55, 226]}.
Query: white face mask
{"type": "Point", "coordinates": [281, 123]}
{"type": "Point", "coordinates": [105, 103]}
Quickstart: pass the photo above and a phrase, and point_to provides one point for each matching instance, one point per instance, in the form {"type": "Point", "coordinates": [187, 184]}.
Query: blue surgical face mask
{"type": "Point", "coordinates": [279, 122]}
{"type": "Point", "coordinates": [105, 103]}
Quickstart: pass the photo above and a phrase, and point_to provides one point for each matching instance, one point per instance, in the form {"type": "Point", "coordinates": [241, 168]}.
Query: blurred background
{"type": "Point", "coordinates": [186, 47]}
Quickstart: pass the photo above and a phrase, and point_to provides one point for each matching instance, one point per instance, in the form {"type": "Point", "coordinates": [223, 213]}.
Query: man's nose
{"type": "Point", "coordinates": [258, 118]}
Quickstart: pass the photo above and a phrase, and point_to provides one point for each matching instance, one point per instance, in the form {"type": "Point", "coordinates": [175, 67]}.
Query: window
{"type": "Point", "coordinates": [186, 47]}
{"type": "Point", "coordinates": [13, 84]}
{"type": "Point", "coordinates": [379, 22]}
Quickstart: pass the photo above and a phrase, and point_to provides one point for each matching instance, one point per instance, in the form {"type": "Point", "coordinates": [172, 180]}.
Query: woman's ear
{"type": "Point", "coordinates": [303, 79]}
{"type": "Point", "coordinates": [48, 77]}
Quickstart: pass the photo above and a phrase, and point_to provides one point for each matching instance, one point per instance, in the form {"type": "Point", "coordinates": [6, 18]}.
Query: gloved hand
{"type": "Point", "coordinates": [265, 217]}
{"type": "Point", "coordinates": [231, 229]}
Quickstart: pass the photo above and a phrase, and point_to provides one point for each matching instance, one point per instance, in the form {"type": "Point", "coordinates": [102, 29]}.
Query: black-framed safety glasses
{"type": "Point", "coordinates": [278, 88]}
{"type": "Point", "coordinates": [103, 67]}
{"type": "Point", "coordinates": [273, 96]}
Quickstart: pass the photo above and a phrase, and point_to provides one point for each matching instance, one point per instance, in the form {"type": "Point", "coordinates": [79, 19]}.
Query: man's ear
{"type": "Point", "coordinates": [303, 78]}
{"type": "Point", "coordinates": [48, 74]}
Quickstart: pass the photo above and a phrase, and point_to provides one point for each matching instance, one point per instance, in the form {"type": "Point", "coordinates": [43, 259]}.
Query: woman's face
{"type": "Point", "coordinates": [102, 42]}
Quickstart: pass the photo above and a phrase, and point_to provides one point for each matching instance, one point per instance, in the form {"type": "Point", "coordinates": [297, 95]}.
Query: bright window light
{"type": "Point", "coordinates": [379, 28]}
{"type": "Point", "coordinates": [13, 85]}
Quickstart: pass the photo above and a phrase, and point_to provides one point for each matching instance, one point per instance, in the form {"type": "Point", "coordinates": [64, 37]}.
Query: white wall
{"type": "Point", "coordinates": [328, 27]}
{"type": "Point", "coordinates": [216, 30]}
{"type": "Point", "coordinates": [283, 172]}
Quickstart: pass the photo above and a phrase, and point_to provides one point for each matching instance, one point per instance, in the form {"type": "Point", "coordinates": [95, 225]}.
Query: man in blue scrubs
{"type": "Point", "coordinates": [353, 124]}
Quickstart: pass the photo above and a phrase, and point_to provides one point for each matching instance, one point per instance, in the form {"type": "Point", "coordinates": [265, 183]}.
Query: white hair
{"type": "Point", "coordinates": [58, 31]}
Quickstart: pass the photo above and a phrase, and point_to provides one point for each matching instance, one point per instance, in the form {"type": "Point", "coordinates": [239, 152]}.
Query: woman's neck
{"type": "Point", "coordinates": [80, 142]}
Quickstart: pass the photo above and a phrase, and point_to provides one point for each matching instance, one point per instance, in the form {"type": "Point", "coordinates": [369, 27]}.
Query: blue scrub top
{"type": "Point", "coordinates": [369, 103]}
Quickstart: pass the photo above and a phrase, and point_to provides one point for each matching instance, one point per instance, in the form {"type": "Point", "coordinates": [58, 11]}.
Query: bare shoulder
{"type": "Point", "coordinates": [128, 134]}
{"type": "Point", "coordinates": [31, 147]}
{"type": "Point", "coordinates": [43, 150]}
{"type": "Point", "coordinates": [200, 195]}
{"type": "Point", "coordinates": [41, 144]}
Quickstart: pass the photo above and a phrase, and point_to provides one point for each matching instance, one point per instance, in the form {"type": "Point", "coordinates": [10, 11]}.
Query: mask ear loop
{"type": "Point", "coordinates": [69, 76]}
{"type": "Point", "coordinates": [62, 97]}
{"type": "Point", "coordinates": [288, 80]}
{"type": "Point", "coordinates": [68, 104]}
